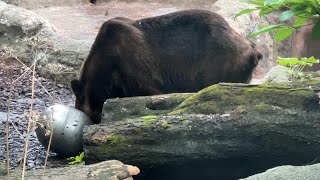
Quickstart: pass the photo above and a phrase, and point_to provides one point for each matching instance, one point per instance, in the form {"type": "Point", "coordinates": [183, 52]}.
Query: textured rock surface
{"type": "Point", "coordinates": [132, 107]}
{"type": "Point", "coordinates": [31, 37]}
{"type": "Point", "coordinates": [244, 124]}
{"type": "Point", "coordinates": [310, 172]}
{"type": "Point", "coordinates": [111, 170]}
{"type": "Point", "coordinates": [277, 74]}
{"type": "Point", "coordinates": [30, 4]}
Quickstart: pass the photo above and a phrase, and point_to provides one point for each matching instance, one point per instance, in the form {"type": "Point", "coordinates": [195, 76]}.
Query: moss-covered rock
{"type": "Point", "coordinates": [270, 123]}
{"type": "Point", "coordinates": [145, 107]}
{"type": "Point", "coordinates": [227, 97]}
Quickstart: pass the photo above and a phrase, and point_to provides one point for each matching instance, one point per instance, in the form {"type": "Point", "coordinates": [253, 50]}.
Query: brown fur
{"type": "Point", "coordinates": [179, 52]}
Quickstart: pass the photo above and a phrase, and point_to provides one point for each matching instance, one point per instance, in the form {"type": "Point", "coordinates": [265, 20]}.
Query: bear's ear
{"type": "Point", "coordinates": [77, 88]}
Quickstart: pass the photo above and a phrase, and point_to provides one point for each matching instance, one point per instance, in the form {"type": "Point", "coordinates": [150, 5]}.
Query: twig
{"type": "Point", "coordinates": [25, 72]}
{"type": "Point", "coordinates": [7, 124]}
{"type": "Point", "coordinates": [50, 139]}
{"type": "Point", "coordinates": [28, 68]}
{"type": "Point", "coordinates": [22, 137]}
{"type": "Point", "coordinates": [29, 122]}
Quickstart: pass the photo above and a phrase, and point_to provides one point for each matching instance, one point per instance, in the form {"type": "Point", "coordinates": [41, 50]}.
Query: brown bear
{"type": "Point", "coordinates": [184, 51]}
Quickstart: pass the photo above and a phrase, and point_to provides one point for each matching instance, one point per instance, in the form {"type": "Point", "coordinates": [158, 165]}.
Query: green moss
{"type": "Point", "coordinates": [262, 106]}
{"type": "Point", "coordinates": [149, 117]}
{"type": "Point", "coordinates": [165, 124]}
{"type": "Point", "coordinates": [224, 97]}
{"type": "Point", "coordinates": [176, 111]}
{"type": "Point", "coordinates": [315, 81]}
{"type": "Point", "coordinates": [115, 139]}
{"type": "Point", "coordinates": [113, 144]}
{"type": "Point", "coordinates": [149, 122]}
{"type": "Point", "coordinates": [125, 121]}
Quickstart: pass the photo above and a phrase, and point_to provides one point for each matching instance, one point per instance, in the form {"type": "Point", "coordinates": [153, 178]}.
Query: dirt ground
{"type": "Point", "coordinates": [83, 22]}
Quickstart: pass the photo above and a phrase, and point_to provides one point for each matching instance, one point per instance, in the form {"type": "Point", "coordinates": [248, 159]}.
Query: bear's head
{"type": "Point", "coordinates": [86, 100]}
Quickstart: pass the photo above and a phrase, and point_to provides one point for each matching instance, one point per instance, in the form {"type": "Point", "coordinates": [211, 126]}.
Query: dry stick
{"type": "Point", "coordinates": [24, 153]}
{"type": "Point", "coordinates": [51, 133]}
{"type": "Point", "coordinates": [29, 68]}
{"type": "Point", "coordinates": [7, 125]}
{"type": "Point", "coordinates": [29, 122]}
{"type": "Point", "coordinates": [15, 128]}
{"type": "Point", "coordinates": [35, 78]}
{"type": "Point", "coordinates": [48, 149]}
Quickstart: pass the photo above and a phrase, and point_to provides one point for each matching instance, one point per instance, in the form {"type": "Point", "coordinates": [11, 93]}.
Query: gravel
{"type": "Point", "coordinates": [21, 99]}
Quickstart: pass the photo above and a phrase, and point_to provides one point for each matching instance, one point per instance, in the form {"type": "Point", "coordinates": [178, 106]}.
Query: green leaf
{"type": "Point", "coordinates": [287, 62]}
{"type": "Point", "coordinates": [302, 63]}
{"type": "Point", "coordinates": [300, 21]}
{"type": "Point", "coordinates": [304, 59]}
{"type": "Point", "coordinates": [313, 2]}
{"type": "Point", "coordinates": [312, 60]}
{"type": "Point", "coordinates": [297, 6]}
{"type": "Point", "coordinates": [271, 2]}
{"type": "Point", "coordinates": [316, 31]}
{"type": "Point", "coordinates": [283, 34]}
{"type": "Point", "coordinates": [265, 11]}
{"type": "Point", "coordinates": [70, 158]}
{"type": "Point", "coordinates": [72, 163]}
{"type": "Point", "coordinates": [300, 74]}
{"type": "Point", "coordinates": [294, 1]}
{"type": "Point", "coordinates": [82, 155]}
{"type": "Point", "coordinates": [257, 3]}
{"type": "Point", "coordinates": [245, 11]}
{"type": "Point", "coordinates": [266, 29]}
{"type": "Point", "coordinates": [309, 10]}
{"type": "Point", "coordinates": [288, 14]}
{"type": "Point", "coordinates": [283, 62]}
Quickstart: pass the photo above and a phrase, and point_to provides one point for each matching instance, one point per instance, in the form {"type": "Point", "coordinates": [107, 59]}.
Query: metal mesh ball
{"type": "Point", "coordinates": [66, 124]}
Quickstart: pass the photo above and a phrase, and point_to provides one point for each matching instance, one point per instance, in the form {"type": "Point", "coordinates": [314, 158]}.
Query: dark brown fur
{"type": "Point", "coordinates": [179, 52]}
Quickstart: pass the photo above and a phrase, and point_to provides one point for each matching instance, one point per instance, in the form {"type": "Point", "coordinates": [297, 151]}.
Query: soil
{"type": "Point", "coordinates": [83, 22]}
{"type": "Point", "coordinates": [19, 109]}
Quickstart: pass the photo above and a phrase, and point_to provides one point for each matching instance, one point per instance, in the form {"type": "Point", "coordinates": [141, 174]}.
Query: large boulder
{"type": "Point", "coordinates": [31, 37]}
{"type": "Point", "coordinates": [111, 170]}
{"type": "Point", "coordinates": [310, 172]}
{"type": "Point", "coordinates": [212, 132]}
{"type": "Point", "coordinates": [31, 4]}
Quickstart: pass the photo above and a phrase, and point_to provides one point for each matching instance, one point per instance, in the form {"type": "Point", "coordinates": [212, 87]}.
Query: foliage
{"type": "Point", "coordinates": [76, 160]}
{"type": "Point", "coordinates": [300, 10]}
{"type": "Point", "coordinates": [296, 65]}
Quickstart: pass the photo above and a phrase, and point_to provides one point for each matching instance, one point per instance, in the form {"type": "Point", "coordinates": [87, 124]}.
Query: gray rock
{"type": "Point", "coordinates": [32, 37]}
{"type": "Point", "coordinates": [31, 4]}
{"type": "Point", "coordinates": [278, 74]}
{"type": "Point", "coordinates": [132, 107]}
{"type": "Point", "coordinates": [310, 172]}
